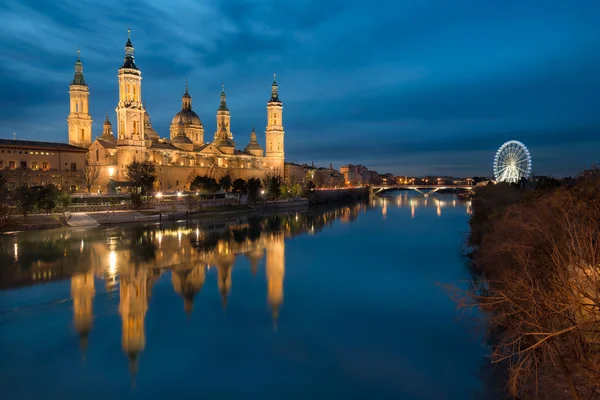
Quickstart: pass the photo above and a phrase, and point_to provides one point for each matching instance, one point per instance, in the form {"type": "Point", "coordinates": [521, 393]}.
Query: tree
{"type": "Point", "coordinates": [254, 186]}
{"type": "Point", "coordinates": [48, 198]}
{"type": "Point", "coordinates": [295, 189]}
{"type": "Point", "coordinates": [204, 184]}
{"type": "Point", "coordinates": [225, 183]}
{"type": "Point", "coordinates": [538, 271]}
{"type": "Point", "coordinates": [4, 201]}
{"type": "Point", "coordinates": [240, 186]}
{"type": "Point", "coordinates": [142, 176]}
{"type": "Point", "coordinates": [25, 199]}
{"type": "Point", "coordinates": [92, 173]}
{"type": "Point", "coordinates": [274, 187]}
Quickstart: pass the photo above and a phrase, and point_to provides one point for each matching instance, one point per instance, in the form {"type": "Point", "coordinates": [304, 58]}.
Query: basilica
{"type": "Point", "coordinates": [187, 152]}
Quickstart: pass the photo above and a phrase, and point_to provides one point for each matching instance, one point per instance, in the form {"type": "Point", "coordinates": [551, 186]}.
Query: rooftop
{"type": "Point", "coordinates": [41, 145]}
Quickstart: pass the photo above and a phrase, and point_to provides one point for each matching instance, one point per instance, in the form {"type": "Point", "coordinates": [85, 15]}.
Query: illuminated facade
{"type": "Point", "coordinates": [185, 153]}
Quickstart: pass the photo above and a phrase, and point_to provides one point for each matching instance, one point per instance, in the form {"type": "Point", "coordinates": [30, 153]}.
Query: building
{"type": "Point", "coordinates": [296, 173]}
{"type": "Point", "coordinates": [353, 174]}
{"type": "Point", "coordinates": [30, 163]}
{"type": "Point", "coordinates": [187, 152]}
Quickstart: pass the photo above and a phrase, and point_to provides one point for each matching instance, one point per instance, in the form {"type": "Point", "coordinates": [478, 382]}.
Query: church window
{"type": "Point", "coordinates": [82, 135]}
{"type": "Point", "coordinates": [270, 145]}
{"type": "Point", "coordinates": [76, 106]}
{"type": "Point", "coordinates": [134, 127]}
{"type": "Point", "coordinates": [97, 155]}
{"type": "Point", "coordinates": [278, 146]}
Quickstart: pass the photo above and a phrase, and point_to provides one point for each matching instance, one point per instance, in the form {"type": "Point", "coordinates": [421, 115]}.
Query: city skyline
{"type": "Point", "coordinates": [411, 89]}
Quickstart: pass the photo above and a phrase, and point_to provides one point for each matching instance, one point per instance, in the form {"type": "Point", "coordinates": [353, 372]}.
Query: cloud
{"type": "Point", "coordinates": [399, 85]}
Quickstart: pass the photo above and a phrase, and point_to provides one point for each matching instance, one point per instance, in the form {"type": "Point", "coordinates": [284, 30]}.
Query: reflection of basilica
{"type": "Point", "coordinates": [133, 259]}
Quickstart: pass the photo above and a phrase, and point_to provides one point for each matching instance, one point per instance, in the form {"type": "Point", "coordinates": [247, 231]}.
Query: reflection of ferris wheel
{"type": "Point", "coordinates": [512, 162]}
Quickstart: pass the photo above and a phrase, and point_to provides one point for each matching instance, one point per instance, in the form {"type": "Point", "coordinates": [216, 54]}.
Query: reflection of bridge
{"type": "Point", "coordinates": [376, 189]}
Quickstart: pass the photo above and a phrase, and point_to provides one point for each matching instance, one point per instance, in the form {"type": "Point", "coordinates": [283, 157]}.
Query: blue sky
{"type": "Point", "coordinates": [409, 87]}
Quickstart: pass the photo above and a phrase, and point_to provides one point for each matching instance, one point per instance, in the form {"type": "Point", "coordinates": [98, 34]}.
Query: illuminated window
{"type": "Point", "coordinates": [45, 166]}
{"type": "Point", "coordinates": [34, 165]}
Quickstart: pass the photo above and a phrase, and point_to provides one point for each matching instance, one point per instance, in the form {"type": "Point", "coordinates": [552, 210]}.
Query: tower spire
{"type": "Point", "coordinates": [129, 50]}
{"type": "Point", "coordinates": [78, 78]}
{"type": "Point", "coordinates": [223, 105]}
{"type": "Point", "coordinates": [274, 91]}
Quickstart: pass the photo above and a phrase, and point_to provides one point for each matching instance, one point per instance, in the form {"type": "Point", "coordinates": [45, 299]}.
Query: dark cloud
{"type": "Point", "coordinates": [399, 86]}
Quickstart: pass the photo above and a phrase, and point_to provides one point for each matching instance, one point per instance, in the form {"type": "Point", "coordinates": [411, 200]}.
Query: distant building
{"type": "Point", "coordinates": [355, 174]}
{"type": "Point", "coordinates": [296, 173]}
{"type": "Point", "coordinates": [30, 163]}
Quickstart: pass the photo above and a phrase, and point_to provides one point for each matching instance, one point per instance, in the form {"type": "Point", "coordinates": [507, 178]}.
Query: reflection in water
{"type": "Point", "coordinates": [414, 202]}
{"type": "Point", "coordinates": [116, 277]}
{"type": "Point", "coordinates": [135, 258]}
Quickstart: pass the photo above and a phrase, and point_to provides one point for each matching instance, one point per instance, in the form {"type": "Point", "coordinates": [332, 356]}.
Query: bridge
{"type": "Point", "coordinates": [424, 189]}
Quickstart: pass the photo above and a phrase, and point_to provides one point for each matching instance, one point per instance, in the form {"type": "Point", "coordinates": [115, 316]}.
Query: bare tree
{"type": "Point", "coordinates": [540, 284]}
{"type": "Point", "coordinates": [92, 173]}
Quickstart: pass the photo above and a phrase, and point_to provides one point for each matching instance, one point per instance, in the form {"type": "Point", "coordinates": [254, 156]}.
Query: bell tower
{"type": "Point", "coordinates": [79, 120]}
{"type": "Point", "coordinates": [274, 132]}
{"type": "Point", "coordinates": [223, 115]}
{"type": "Point", "coordinates": [130, 110]}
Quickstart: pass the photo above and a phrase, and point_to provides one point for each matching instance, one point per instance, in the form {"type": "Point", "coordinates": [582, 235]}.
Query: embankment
{"type": "Point", "coordinates": [334, 196]}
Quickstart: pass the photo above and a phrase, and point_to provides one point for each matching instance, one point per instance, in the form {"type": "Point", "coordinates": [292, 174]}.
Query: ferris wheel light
{"type": "Point", "coordinates": [512, 162]}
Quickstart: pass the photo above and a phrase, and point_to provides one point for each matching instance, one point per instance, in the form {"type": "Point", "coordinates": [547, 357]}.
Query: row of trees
{"type": "Point", "coordinates": [25, 200]}
{"type": "Point", "coordinates": [536, 263]}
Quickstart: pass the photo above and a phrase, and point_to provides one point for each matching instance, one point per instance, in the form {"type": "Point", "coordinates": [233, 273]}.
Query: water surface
{"type": "Point", "coordinates": [344, 303]}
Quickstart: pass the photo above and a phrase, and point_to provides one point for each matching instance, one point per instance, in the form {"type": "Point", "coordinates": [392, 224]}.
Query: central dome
{"type": "Point", "coordinates": [188, 117]}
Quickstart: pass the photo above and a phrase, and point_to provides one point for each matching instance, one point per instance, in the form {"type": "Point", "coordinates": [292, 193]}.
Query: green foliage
{"type": "Point", "coordinates": [48, 198]}
{"type": "Point", "coordinates": [142, 176]}
{"type": "Point", "coordinates": [254, 186]}
{"type": "Point", "coordinates": [295, 190]}
{"type": "Point", "coordinates": [4, 201]}
{"type": "Point", "coordinates": [225, 183]}
{"type": "Point", "coordinates": [25, 199]}
{"type": "Point", "coordinates": [240, 186]}
{"type": "Point", "coordinates": [204, 184]}
{"type": "Point", "coordinates": [274, 187]}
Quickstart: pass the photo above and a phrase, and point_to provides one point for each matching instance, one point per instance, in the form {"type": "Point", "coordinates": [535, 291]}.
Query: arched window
{"type": "Point", "coordinates": [97, 155]}
{"type": "Point", "coordinates": [82, 135]}
{"type": "Point", "coordinates": [76, 106]}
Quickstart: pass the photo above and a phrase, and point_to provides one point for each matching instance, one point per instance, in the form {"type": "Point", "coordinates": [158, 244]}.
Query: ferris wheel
{"type": "Point", "coordinates": [512, 162]}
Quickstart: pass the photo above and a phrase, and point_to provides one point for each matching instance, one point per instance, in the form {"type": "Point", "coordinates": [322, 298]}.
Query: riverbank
{"type": "Point", "coordinates": [80, 217]}
{"type": "Point", "coordinates": [534, 261]}
{"type": "Point", "coordinates": [117, 217]}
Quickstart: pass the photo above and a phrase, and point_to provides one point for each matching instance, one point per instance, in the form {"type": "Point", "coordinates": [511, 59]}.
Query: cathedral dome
{"type": "Point", "coordinates": [182, 139]}
{"type": "Point", "coordinates": [188, 117]}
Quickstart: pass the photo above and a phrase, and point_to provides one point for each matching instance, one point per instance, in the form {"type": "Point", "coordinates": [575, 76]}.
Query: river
{"type": "Point", "coordinates": [342, 303]}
